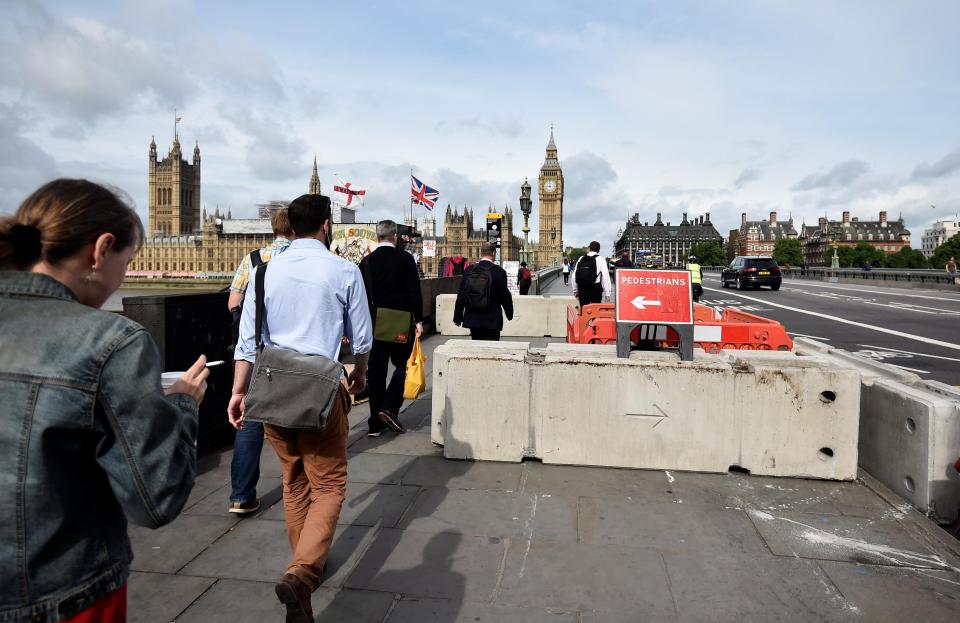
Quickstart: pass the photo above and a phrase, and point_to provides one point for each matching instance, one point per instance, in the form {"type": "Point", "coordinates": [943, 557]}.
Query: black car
{"type": "Point", "coordinates": [752, 271]}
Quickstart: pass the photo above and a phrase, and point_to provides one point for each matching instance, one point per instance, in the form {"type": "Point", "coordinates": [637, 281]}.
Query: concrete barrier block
{"type": "Point", "coordinates": [910, 440]}
{"type": "Point", "coordinates": [487, 416]}
{"type": "Point", "coordinates": [441, 355]}
{"type": "Point", "coordinates": [771, 413]}
{"type": "Point", "coordinates": [800, 418]}
{"type": "Point", "coordinates": [634, 413]}
{"type": "Point", "coordinates": [533, 316]}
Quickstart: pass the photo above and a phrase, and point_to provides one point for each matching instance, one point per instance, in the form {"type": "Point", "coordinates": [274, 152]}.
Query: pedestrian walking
{"type": "Point", "coordinates": [696, 278]}
{"type": "Point", "coordinates": [89, 438]}
{"type": "Point", "coordinates": [951, 267]}
{"type": "Point", "coordinates": [566, 272]}
{"type": "Point", "coordinates": [482, 295]}
{"type": "Point", "coordinates": [311, 299]}
{"type": "Point", "coordinates": [591, 277]}
{"type": "Point", "coordinates": [396, 307]}
{"type": "Point", "coordinates": [524, 279]}
{"type": "Point", "coordinates": [623, 261]}
{"type": "Point", "coordinates": [248, 441]}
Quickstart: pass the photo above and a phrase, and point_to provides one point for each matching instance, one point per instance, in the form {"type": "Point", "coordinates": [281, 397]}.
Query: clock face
{"type": "Point", "coordinates": [549, 186]}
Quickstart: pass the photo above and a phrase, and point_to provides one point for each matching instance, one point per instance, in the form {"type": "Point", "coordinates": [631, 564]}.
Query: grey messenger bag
{"type": "Point", "coordinates": [289, 389]}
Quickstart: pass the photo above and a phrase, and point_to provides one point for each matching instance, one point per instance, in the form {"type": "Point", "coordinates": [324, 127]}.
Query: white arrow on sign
{"type": "Point", "coordinates": [640, 303]}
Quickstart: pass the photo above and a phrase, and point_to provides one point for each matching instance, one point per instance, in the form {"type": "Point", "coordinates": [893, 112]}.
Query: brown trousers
{"type": "Point", "coordinates": [314, 465]}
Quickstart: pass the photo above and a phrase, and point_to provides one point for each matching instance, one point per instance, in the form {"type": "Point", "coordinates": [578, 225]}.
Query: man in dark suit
{"type": "Point", "coordinates": [392, 281]}
{"type": "Point", "coordinates": [483, 294]}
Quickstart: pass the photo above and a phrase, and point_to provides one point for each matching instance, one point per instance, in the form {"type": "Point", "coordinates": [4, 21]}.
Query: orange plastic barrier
{"type": "Point", "coordinates": [594, 324]}
{"type": "Point", "coordinates": [738, 330]}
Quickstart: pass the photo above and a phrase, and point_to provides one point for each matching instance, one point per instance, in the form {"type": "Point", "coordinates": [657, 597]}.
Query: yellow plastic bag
{"type": "Point", "coordinates": [416, 382]}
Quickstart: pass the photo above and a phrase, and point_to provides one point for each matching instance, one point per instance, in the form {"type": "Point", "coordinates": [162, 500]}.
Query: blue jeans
{"type": "Point", "coordinates": [245, 467]}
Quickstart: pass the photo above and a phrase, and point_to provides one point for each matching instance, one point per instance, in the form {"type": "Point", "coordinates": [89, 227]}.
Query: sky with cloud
{"type": "Point", "coordinates": [803, 108]}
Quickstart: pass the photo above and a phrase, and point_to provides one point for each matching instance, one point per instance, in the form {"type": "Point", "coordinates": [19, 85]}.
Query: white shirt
{"type": "Point", "coordinates": [603, 273]}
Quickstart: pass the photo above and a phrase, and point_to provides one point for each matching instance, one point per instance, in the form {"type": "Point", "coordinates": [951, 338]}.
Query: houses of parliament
{"type": "Point", "coordinates": [183, 240]}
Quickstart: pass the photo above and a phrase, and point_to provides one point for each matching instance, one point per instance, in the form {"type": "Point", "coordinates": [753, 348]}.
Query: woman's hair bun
{"type": "Point", "coordinates": [27, 243]}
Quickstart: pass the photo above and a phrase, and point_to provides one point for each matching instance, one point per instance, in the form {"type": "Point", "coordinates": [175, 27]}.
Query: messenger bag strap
{"type": "Point", "coordinates": [259, 279]}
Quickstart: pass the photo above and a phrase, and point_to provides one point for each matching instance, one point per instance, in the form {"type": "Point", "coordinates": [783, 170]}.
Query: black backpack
{"type": "Point", "coordinates": [458, 266]}
{"type": "Point", "coordinates": [586, 274]}
{"type": "Point", "coordinates": [476, 288]}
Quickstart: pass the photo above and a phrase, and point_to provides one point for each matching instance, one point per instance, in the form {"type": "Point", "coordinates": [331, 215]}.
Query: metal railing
{"type": "Point", "coordinates": [890, 275]}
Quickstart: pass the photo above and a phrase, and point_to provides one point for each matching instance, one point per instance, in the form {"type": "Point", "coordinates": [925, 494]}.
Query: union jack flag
{"type": "Point", "coordinates": [423, 194]}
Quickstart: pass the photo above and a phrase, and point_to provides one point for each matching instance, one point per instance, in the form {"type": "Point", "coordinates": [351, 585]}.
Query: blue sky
{"type": "Point", "coordinates": [742, 106]}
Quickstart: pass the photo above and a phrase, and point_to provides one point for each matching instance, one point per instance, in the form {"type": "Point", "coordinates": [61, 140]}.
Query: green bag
{"type": "Point", "coordinates": [392, 325]}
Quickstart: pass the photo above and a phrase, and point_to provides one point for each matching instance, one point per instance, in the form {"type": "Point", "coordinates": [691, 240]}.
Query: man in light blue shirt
{"type": "Point", "coordinates": [313, 299]}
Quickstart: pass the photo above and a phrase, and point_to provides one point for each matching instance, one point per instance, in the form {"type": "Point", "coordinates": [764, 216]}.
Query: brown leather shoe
{"type": "Point", "coordinates": [295, 595]}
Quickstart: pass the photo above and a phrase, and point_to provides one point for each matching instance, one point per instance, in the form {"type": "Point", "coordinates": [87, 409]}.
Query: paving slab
{"type": "Point", "coordinates": [575, 481]}
{"type": "Point", "coordinates": [735, 586]}
{"type": "Point", "coordinates": [443, 565]}
{"type": "Point", "coordinates": [667, 525]}
{"type": "Point", "coordinates": [168, 549]}
{"type": "Point", "coordinates": [366, 504]}
{"type": "Point", "coordinates": [238, 600]}
{"type": "Point", "coordinates": [451, 474]}
{"type": "Point", "coordinates": [378, 467]}
{"type": "Point", "coordinates": [258, 550]}
{"type": "Point", "coordinates": [844, 539]}
{"type": "Point", "coordinates": [413, 444]}
{"type": "Point", "coordinates": [269, 490]}
{"type": "Point", "coordinates": [578, 576]}
{"type": "Point", "coordinates": [895, 594]}
{"type": "Point", "coordinates": [162, 596]}
{"type": "Point", "coordinates": [447, 611]}
{"type": "Point", "coordinates": [493, 513]}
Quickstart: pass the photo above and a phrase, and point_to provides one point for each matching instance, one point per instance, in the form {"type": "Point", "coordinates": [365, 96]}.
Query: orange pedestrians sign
{"type": "Point", "coordinates": [655, 296]}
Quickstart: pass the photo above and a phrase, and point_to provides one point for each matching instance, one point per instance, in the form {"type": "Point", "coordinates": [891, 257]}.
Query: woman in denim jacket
{"type": "Point", "coordinates": [87, 435]}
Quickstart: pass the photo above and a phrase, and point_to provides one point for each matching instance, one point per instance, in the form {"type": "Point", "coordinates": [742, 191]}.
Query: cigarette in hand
{"type": "Point", "coordinates": [213, 364]}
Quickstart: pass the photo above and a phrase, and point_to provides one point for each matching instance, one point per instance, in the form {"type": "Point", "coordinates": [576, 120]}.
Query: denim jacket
{"type": "Point", "coordinates": [87, 439]}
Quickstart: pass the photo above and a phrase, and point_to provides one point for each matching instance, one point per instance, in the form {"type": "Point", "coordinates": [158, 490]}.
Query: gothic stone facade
{"type": "Point", "coordinates": [182, 240]}
{"type": "Point", "coordinates": [460, 238]}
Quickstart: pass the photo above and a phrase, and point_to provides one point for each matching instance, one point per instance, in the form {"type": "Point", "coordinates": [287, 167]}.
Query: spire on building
{"type": "Point", "coordinates": [551, 144]}
{"type": "Point", "coordinates": [229, 214]}
{"type": "Point", "coordinates": [314, 179]}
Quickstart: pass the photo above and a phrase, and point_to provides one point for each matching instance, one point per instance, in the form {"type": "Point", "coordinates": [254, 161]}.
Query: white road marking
{"type": "Point", "coordinates": [907, 352]}
{"type": "Point", "coordinates": [909, 369]}
{"type": "Point", "coordinates": [920, 309]}
{"type": "Point", "coordinates": [918, 338]}
{"type": "Point", "coordinates": [800, 282]}
{"type": "Point", "coordinates": [812, 337]}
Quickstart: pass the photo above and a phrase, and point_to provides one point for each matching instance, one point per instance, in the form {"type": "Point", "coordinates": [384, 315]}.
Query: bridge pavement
{"type": "Point", "coordinates": [426, 539]}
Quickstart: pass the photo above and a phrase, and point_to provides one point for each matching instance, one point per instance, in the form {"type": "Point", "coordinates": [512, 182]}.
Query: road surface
{"type": "Point", "coordinates": [917, 330]}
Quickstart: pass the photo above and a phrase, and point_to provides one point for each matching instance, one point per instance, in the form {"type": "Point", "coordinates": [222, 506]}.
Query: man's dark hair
{"type": "Point", "coordinates": [594, 246]}
{"type": "Point", "coordinates": [523, 263]}
{"type": "Point", "coordinates": [308, 213]}
{"type": "Point", "coordinates": [488, 250]}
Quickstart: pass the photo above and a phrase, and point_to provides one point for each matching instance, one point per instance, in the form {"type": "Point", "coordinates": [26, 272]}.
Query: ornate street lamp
{"type": "Point", "coordinates": [553, 241]}
{"type": "Point", "coordinates": [526, 206]}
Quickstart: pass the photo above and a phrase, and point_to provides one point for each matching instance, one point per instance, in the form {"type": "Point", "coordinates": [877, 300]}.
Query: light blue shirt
{"type": "Point", "coordinates": [313, 298]}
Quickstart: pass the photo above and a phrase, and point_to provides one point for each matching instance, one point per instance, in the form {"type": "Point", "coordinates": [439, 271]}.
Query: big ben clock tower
{"type": "Point", "coordinates": [550, 243]}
